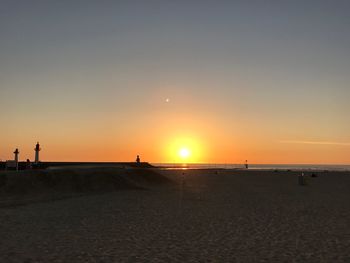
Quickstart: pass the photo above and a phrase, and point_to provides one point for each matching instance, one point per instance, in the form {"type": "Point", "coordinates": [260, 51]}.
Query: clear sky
{"type": "Point", "coordinates": [266, 81]}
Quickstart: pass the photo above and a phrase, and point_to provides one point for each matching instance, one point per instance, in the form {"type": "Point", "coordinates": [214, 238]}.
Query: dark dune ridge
{"type": "Point", "coordinates": [44, 165]}
{"type": "Point", "coordinates": [50, 184]}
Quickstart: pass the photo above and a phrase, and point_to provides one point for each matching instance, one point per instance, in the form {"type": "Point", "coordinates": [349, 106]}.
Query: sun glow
{"type": "Point", "coordinates": [184, 153]}
{"type": "Point", "coordinates": [185, 150]}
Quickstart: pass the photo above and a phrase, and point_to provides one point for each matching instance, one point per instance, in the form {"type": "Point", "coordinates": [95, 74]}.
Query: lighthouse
{"type": "Point", "coordinates": [37, 150]}
{"type": "Point", "coordinates": [16, 152]}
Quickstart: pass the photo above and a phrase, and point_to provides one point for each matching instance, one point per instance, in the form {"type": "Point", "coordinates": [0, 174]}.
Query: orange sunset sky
{"type": "Point", "coordinates": [227, 81]}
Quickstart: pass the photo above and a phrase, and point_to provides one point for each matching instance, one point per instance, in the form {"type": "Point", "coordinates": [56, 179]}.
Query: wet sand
{"type": "Point", "coordinates": [202, 216]}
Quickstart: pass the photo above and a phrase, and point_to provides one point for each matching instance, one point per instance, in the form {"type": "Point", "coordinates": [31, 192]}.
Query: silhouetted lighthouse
{"type": "Point", "coordinates": [37, 150]}
{"type": "Point", "coordinates": [16, 152]}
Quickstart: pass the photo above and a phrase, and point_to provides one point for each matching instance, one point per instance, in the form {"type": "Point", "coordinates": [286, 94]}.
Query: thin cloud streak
{"type": "Point", "coordinates": [317, 142]}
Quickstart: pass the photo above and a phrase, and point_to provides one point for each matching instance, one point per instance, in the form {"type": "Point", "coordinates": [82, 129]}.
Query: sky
{"type": "Point", "coordinates": [266, 81]}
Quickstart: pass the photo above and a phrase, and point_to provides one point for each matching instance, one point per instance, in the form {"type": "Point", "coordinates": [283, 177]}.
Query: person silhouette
{"type": "Point", "coordinates": [138, 159]}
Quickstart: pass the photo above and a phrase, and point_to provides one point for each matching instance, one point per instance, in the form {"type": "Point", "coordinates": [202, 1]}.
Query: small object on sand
{"type": "Point", "coordinates": [301, 179]}
{"type": "Point", "coordinates": [314, 175]}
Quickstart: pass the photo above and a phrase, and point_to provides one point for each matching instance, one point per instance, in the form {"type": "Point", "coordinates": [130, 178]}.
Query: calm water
{"type": "Point", "coordinates": [257, 166]}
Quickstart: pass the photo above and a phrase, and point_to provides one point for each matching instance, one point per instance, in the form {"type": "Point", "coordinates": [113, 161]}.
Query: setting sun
{"type": "Point", "coordinates": [184, 153]}
{"type": "Point", "coordinates": [180, 149]}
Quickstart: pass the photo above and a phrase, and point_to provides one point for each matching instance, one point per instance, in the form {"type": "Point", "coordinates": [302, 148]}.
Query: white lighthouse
{"type": "Point", "coordinates": [37, 150]}
{"type": "Point", "coordinates": [16, 152]}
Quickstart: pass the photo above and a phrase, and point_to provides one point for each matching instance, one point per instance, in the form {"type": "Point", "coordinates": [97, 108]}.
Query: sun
{"type": "Point", "coordinates": [184, 149]}
{"type": "Point", "coordinates": [184, 153]}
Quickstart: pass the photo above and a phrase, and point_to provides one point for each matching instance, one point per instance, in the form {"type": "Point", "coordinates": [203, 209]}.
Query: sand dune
{"type": "Point", "coordinates": [28, 186]}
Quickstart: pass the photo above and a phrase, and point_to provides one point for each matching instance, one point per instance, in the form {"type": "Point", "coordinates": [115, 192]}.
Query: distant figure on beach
{"type": "Point", "coordinates": [301, 179]}
{"type": "Point", "coordinates": [138, 159]}
{"type": "Point", "coordinates": [246, 164]}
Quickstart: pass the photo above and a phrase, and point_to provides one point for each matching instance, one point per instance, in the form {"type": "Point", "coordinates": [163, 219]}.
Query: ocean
{"type": "Point", "coordinates": [298, 167]}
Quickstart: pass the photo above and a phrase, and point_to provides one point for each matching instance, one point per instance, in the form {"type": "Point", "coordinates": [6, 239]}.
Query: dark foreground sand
{"type": "Point", "coordinates": [203, 216]}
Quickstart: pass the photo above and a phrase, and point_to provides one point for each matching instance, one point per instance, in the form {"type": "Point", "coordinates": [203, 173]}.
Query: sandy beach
{"type": "Point", "coordinates": [195, 216]}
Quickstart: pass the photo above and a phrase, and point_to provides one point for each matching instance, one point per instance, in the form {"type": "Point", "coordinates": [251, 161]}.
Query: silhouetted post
{"type": "Point", "coordinates": [246, 164]}
{"type": "Point", "coordinates": [16, 152]}
{"type": "Point", "coordinates": [37, 150]}
{"type": "Point", "coordinates": [138, 159]}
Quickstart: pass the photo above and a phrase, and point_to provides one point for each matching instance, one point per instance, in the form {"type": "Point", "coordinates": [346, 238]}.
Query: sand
{"type": "Point", "coordinates": [202, 216]}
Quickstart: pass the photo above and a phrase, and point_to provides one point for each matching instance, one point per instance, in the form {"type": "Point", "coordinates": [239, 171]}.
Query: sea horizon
{"type": "Point", "coordinates": [313, 167]}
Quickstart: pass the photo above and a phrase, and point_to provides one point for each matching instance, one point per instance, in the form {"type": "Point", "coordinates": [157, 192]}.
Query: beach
{"type": "Point", "coordinates": [203, 215]}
